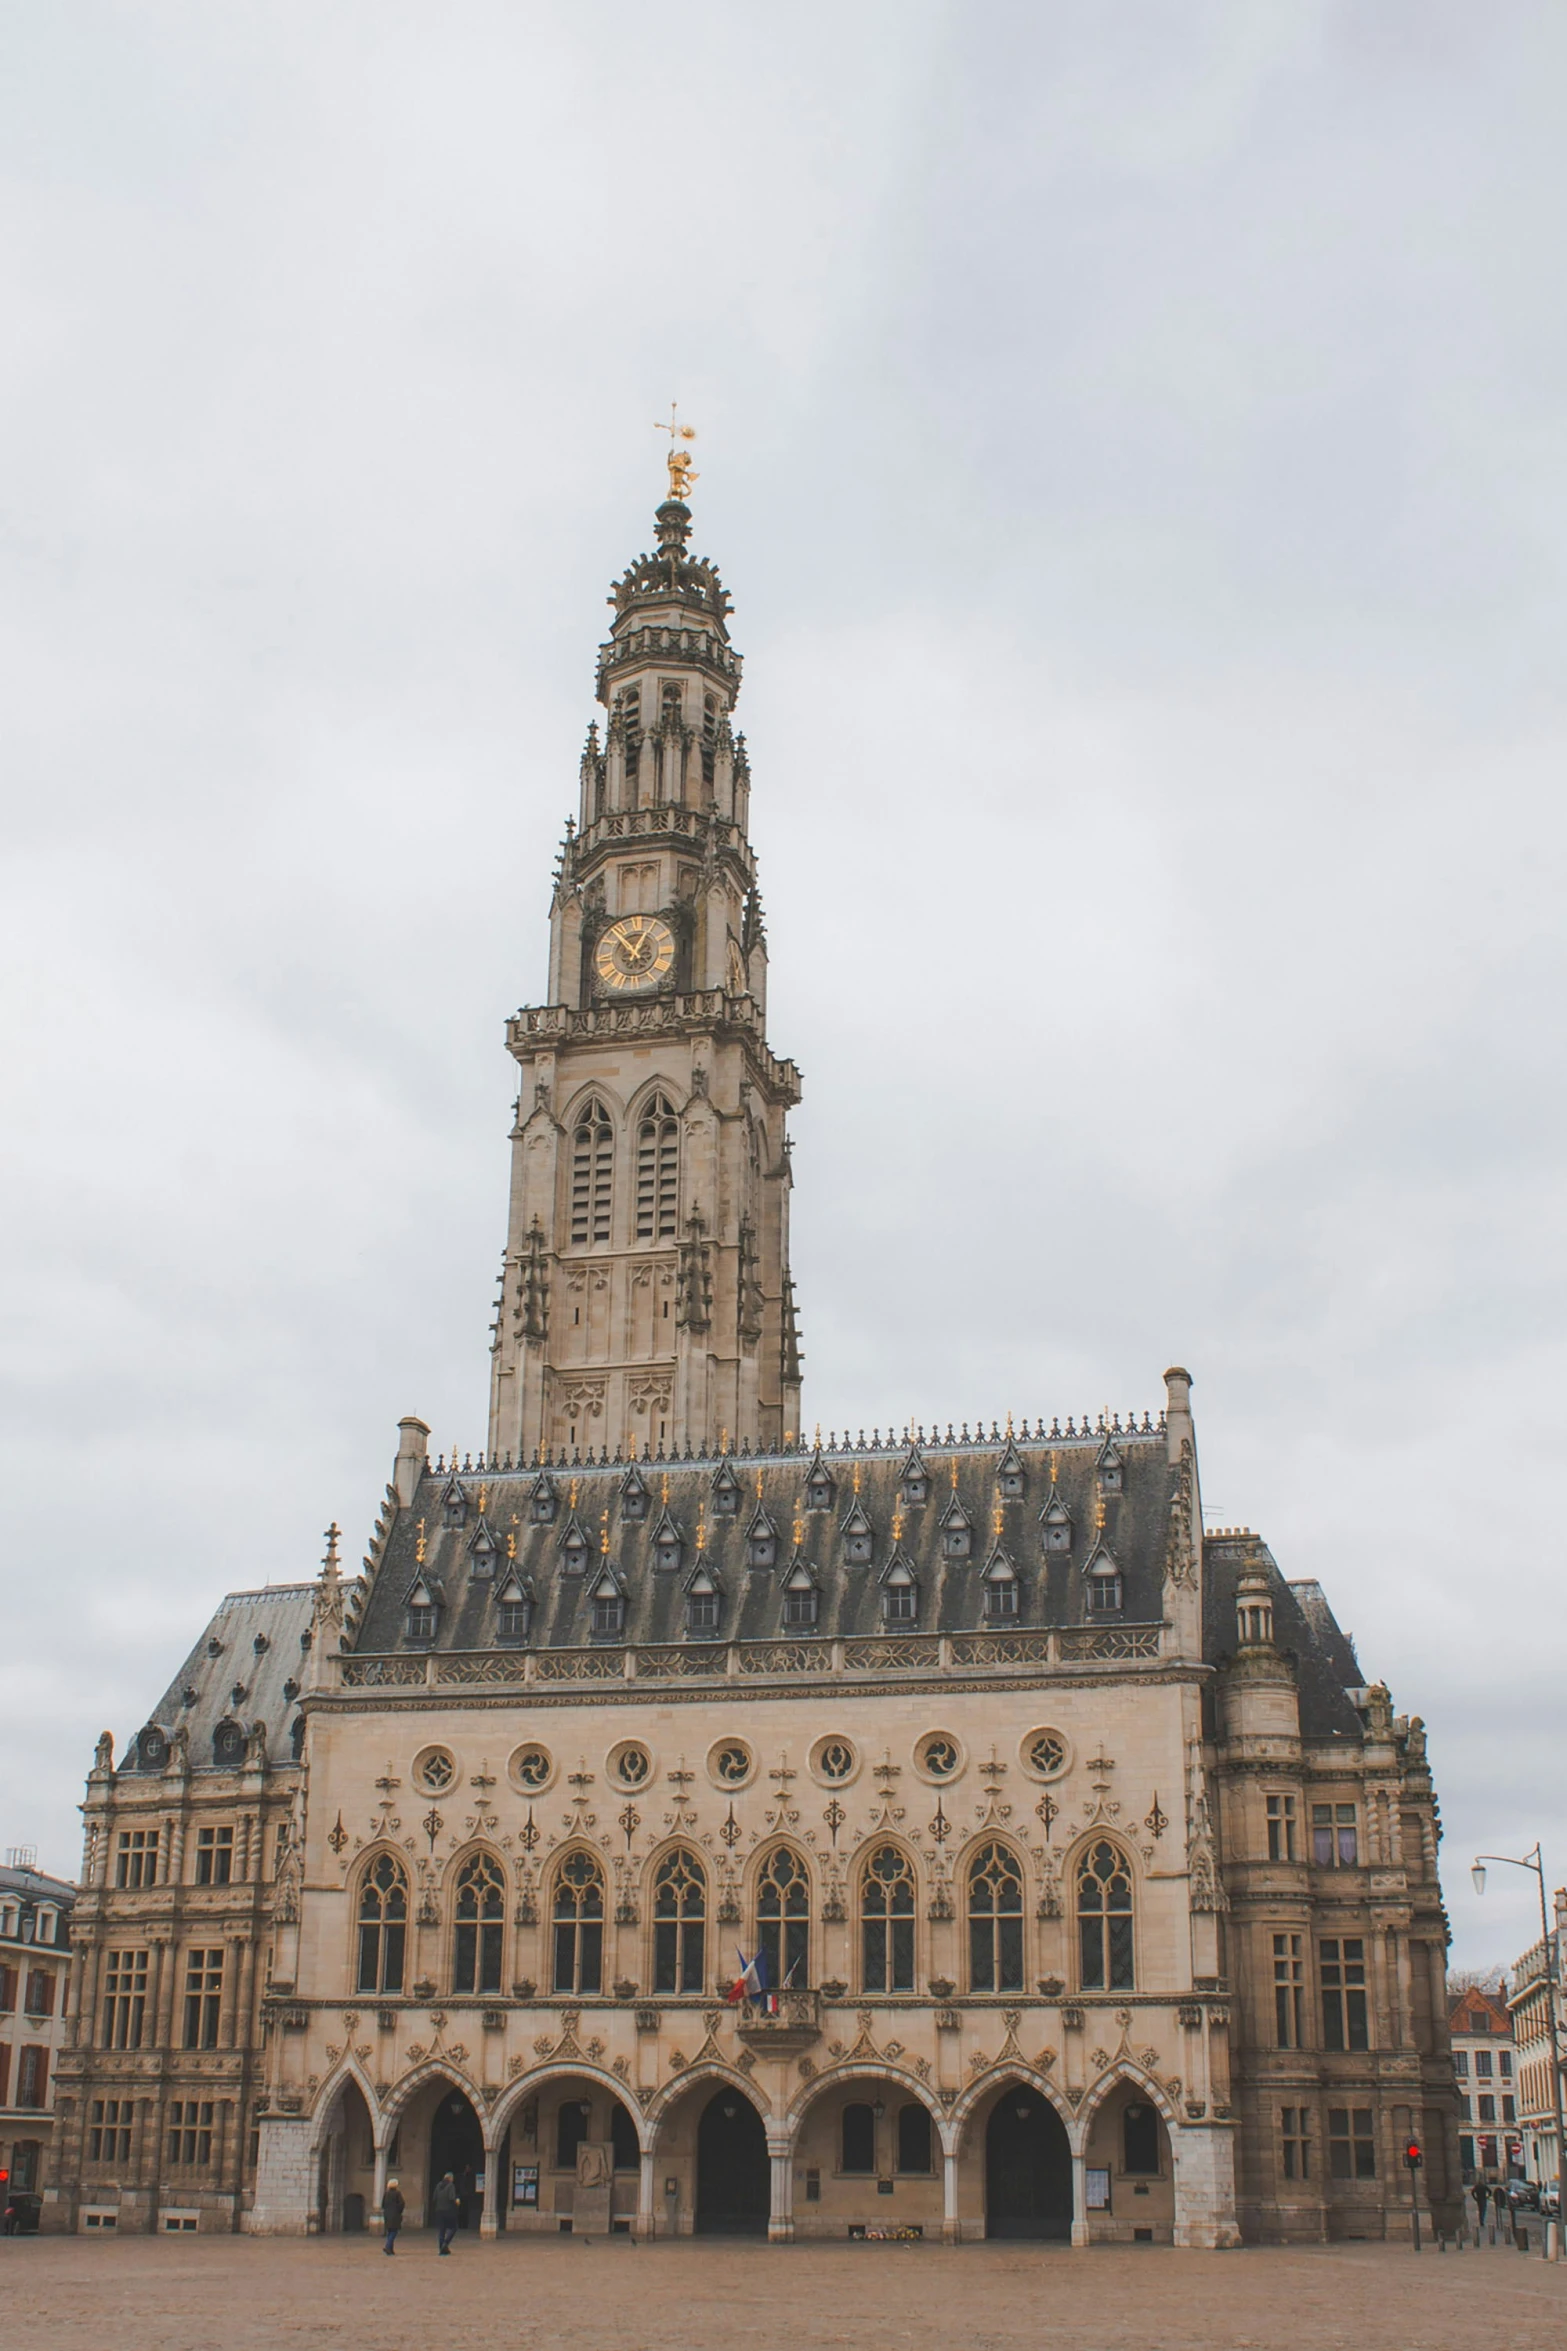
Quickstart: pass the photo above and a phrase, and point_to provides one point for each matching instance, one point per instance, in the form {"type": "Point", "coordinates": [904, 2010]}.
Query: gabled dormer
{"type": "Point", "coordinates": [1110, 1467]}
{"type": "Point", "coordinates": [635, 1500]}
{"type": "Point", "coordinates": [422, 1604]}
{"type": "Point", "coordinates": [761, 1540]}
{"type": "Point", "coordinates": [900, 1590]}
{"type": "Point", "coordinates": [484, 1552]}
{"type": "Point", "coordinates": [914, 1480]}
{"type": "Point", "coordinates": [1002, 1587]}
{"type": "Point", "coordinates": [576, 1548]}
{"type": "Point", "coordinates": [1011, 1477]}
{"type": "Point", "coordinates": [668, 1544]}
{"type": "Point", "coordinates": [1103, 1590]}
{"type": "Point", "coordinates": [957, 1531]}
{"type": "Point", "coordinates": [454, 1504]}
{"type": "Point", "coordinates": [543, 1500]}
{"type": "Point", "coordinates": [606, 1596]}
{"type": "Point", "coordinates": [704, 1601]}
{"type": "Point", "coordinates": [802, 1595]}
{"type": "Point", "coordinates": [859, 1536]}
{"type": "Point", "coordinates": [819, 1487]}
{"type": "Point", "coordinates": [514, 1607]}
{"type": "Point", "coordinates": [726, 1492]}
{"type": "Point", "coordinates": [1055, 1525]}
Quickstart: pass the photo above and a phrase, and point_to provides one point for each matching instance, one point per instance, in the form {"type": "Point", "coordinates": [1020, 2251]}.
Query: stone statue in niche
{"type": "Point", "coordinates": [593, 2164]}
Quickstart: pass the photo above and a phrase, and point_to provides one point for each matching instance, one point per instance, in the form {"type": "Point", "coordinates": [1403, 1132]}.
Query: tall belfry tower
{"type": "Point", "coordinates": [645, 1302]}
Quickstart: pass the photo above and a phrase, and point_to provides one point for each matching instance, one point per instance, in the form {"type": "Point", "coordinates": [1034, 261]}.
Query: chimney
{"type": "Point", "coordinates": [1178, 1410]}
{"type": "Point", "coordinates": [413, 1446]}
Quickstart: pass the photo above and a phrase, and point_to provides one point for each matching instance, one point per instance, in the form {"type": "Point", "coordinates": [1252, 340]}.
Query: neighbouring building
{"type": "Point", "coordinates": [1481, 2027]}
{"type": "Point", "coordinates": [35, 1963]}
{"type": "Point", "coordinates": [1092, 1884]}
{"type": "Point", "coordinates": [1530, 2003]}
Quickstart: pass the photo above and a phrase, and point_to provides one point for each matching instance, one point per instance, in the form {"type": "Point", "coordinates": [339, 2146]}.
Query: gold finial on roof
{"type": "Point", "coordinates": [897, 1525]}
{"type": "Point", "coordinates": [484, 1497]}
{"type": "Point", "coordinates": [758, 1485]}
{"type": "Point", "coordinates": [664, 1490]}
{"type": "Point", "coordinates": [511, 1546]}
{"type": "Point", "coordinates": [701, 1526]}
{"type": "Point", "coordinates": [603, 1530]}
{"type": "Point", "coordinates": [419, 1546]}
{"type": "Point", "coordinates": [1055, 1464]}
{"type": "Point", "coordinates": [954, 1473]}
{"type": "Point", "coordinates": [681, 475]}
{"type": "Point", "coordinates": [799, 1528]}
{"type": "Point", "coordinates": [856, 1477]}
{"type": "Point", "coordinates": [573, 1493]}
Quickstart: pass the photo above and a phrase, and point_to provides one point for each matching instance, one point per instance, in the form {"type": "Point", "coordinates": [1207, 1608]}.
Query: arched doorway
{"type": "Point", "coordinates": [1028, 2167]}
{"type": "Point", "coordinates": [345, 2167]}
{"type": "Point", "coordinates": [732, 2171]}
{"type": "Point", "coordinates": [456, 2146]}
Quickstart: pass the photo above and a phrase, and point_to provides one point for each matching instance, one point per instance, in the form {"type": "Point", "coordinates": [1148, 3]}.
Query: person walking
{"type": "Point", "coordinates": [446, 2213]}
{"type": "Point", "coordinates": [1482, 2198]}
{"type": "Point", "coordinates": [392, 2210]}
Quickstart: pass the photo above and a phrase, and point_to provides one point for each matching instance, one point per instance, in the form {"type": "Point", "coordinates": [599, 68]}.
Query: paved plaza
{"type": "Point", "coordinates": [152, 2294]}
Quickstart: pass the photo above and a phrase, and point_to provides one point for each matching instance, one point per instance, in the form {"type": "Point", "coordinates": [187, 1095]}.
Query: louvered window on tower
{"type": "Point", "coordinates": [709, 738]}
{"type": "Point", "coordinates": [592, 1177]}
{"type": "Point", "coordinates": [658, 1172]}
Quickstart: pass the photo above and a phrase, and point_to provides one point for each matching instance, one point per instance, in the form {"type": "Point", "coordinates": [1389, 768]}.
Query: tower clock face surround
{"type": "Point", "coordinates": [634, 954]}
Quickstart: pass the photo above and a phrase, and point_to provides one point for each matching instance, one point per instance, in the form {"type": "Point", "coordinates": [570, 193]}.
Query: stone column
{"type": "Point", "coordinates": [646, 2187]}
{"type": "Point", "coordinates": [1079, 2197]}
{"type": "Point", "coordinates": [377, 2218]}
{"type": "Point", "coordinates": [949, 2195]}
{"type": "Point", "coordinates": [780, 2222]}
{"type": "Point", "coordinates": [490, 2217]}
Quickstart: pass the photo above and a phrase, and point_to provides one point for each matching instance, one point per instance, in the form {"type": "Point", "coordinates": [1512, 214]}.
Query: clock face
{"type": "Point", "coordinates": [633, 953]}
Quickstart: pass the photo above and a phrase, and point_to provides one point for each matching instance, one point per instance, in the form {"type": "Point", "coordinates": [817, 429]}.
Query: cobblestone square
{"type": "Point", "coordinates": [151, 2294]}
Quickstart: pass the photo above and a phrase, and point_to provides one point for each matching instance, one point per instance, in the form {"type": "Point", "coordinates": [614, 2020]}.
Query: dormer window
{"type": "Point", "coordinates": [609, 1605]}
{"type": "Point", "coordinates": [957, 1532]}
{"type": "Point", "coordinates": [575, 1550]}
{"type": "Point", "coordinates": [858, 1538]}
{"type": "Point", "coordinates": [801, 1599]}
{"type": "Point", "coordinates": [421, 1621]}
{"type": "Point", "coordinates": [914, 1487]}
{"type": "Point", "coordinates": [1010, 1477]}
{"type": "Point", "coordinates": [818, 1487]}
{"type": "Point", "coordinates": [726, 1493]}
{"type": "Point", "coordinates": [152, 1749]}
{"type": "Point", "coordinates": [900, 1594]}
{"type": "Point", "coordinates": [543, 1503]}
{"type": "Point", "coordinates": [704, 1605]}
{"type": "Point", "coordinates": [454, 1506]}
{"type": "Point", "coordinates": [1111, 1468]}
{"type": "Point", "coordinates": [228, 1745]}
{"type": "Point", "coordinates": [634, 1499]}
{"type": "Point", "coordinates": [1000, 1590]}
{"type": "Point", "coordinates": [1104, 1588]}
{"type": "Point", "coordinates": [483, 1551]}
{"type": "Point", "coordinates": [668, 1546]}
{"type": "Point", "coordinates": [1055, 1522]}
{"type": "Point", "coordinates": [513, 1610]}
{"type": "Point", "coordinates": [761, 1541]}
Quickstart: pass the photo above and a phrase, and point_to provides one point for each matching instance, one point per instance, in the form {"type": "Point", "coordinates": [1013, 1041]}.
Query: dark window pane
{"type": "Point", "coordinates": [914, 2138]}
{"type": "Point", "coordinates": [859, 2138]}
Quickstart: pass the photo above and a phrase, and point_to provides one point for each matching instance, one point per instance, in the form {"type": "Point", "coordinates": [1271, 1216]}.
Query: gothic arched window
{"type": "Point", "coordinates": [783, 1918]}
{"type": "Point", "coordinates": [481, 1912]}
{"type": "Point", "coordinates": [383, 1925]}
{"type": "Point", "coordinates": [1104, 1919]}
{"type": "Point", "coordinates": [995, 1921]}
{"type": "Point", "coordinates": [887, 1922]}
{"type": "Point", "coordinates": [679, 1923]}
{"type": "Point", "coordinates": [579, 1925]}
{"type": "Point", "coordinates": [592, 1175]}
{"type": "Point", "coordinates": [658, 1171]}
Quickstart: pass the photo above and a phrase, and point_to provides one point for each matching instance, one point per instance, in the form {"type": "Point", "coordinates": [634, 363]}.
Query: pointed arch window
{"type": "Point", "coordinates": [383, 1925]}
{"type": "Point", "coordinates": [679, 1923]}
{"type": "Point", "coordinates": [658, 1171]}
{"type": "Point", "coordinates": [995, 1921]}
{"type": "Point", "coordinates": [480, 1923]}
{"type": "Point", "coordinates": [1104, 1919]}
{"type": "Point", "coordinates": [592, 1176]}
{"type": "Point", "coordinates": [579, 1925]}
{"type": "Point", "coordinates": [887, 1922]}
{"type": "Point", "coordinates": [783, 1919]}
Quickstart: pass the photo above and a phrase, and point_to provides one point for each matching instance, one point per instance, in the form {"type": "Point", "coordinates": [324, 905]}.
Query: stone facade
{"type": "Point", "coordinates": [35, 1930]}
{"type": "Point", "coordinates": [1089, 1890]}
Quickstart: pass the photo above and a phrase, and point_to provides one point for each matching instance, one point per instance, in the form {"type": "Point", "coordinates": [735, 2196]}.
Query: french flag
{"type": "Point", "coordinates": [751, 1982]}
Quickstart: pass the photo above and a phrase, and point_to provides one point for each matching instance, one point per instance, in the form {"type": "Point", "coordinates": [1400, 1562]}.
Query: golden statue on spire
{"type": "Point", "coordinates": [681, 474]}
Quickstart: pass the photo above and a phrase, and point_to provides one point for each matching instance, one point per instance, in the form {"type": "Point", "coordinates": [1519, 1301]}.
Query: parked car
{"type": "Point", "coordinates": [1522, 2196]}
{"type": "Point", "coordinates": [22, 2208]}
{"type": "Point", "coordinates": [1549, 2199]}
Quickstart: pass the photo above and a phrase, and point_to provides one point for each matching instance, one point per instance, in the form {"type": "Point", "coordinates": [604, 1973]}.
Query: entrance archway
{"type": "Point", "coordinates": [456, 2146]}
{"type": "Point", "coordinates": [732, 2172]}
{"type": "Point", "coordinates": [1028, 2167]}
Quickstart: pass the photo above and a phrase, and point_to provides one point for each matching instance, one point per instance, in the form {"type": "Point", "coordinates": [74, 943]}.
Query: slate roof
{"type": "Point", "coordinates": [201, 1694]}
{"type": "Point", "coordinates": [951, 1591]}
{"type": "Point", "coordinates": [1304, 1627]}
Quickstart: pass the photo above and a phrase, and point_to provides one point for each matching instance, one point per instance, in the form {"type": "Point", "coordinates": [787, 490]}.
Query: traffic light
{"type": "Point", "coordinates": [1412, 2155]}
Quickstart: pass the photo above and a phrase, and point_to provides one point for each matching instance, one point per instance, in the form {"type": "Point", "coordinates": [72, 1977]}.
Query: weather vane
{"type": "Point", "coordinates": [681, 475]}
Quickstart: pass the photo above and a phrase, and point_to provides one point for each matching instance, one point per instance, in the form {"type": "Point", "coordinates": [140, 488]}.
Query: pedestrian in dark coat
{"type": "Point", "coordinates": [446, 2213]}
{"type": "Point", "coordinates": [392, 2210]}
{"type": "Point", "coordinates": [1482, 2198]}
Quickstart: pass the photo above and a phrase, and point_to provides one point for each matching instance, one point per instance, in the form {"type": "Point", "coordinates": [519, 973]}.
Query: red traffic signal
{"type": "Point", "coordinates": [1412, 2155]}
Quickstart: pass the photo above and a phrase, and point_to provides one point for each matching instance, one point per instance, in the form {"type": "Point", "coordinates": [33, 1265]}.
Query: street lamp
{"type": "Point", "coordinates": [1536, 1863]}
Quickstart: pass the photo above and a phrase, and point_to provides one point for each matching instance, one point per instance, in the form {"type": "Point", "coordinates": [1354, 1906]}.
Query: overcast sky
{"type": "Point", "coordinates": [1134, 441]}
